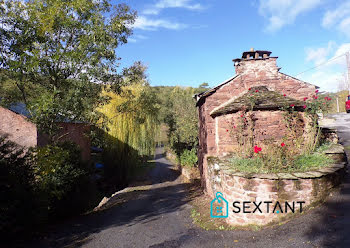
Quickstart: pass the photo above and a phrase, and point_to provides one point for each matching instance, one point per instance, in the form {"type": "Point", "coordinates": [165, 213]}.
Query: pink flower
{"type": "Point", "coordinates": [256, 91]}
{"type": "Point", "coordinates": [226, 130]}
{"type": "Point", "coordinates": [292, 105]}
{"type": "Point", "coordinates": [242, 116]}
{"type": "Point", "coordinates": [234, 126]}
{"type": "Point", "coordinates": [282, 144]}
{"type": "Point", "coordinates": [304, 106]}
{"type": "Point", "coordinates": [257, 149]}
{"type": "Point", "coordinates": [284, 95]}
{"type": "Point", "coordinates": [316, 91]}
{"type": "Point", "coordinates": [249, 88]}
{"type": "Point", "coordinates": [305, 98]}
{"type": "Point", "coordinates": [315, 97]}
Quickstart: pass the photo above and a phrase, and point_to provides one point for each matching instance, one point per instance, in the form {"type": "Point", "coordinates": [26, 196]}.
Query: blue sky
{"type": "Point", "coordinates": [188, 42]}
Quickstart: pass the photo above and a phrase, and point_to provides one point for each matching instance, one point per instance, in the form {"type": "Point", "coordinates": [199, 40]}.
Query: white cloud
{"type": "Point", "coordinates": [326, 80]}
{"type": "Point", "coordinates": [333, 16]}
{"type": "Point", "coordinates": [164, 4]}
{"type": "Point", "coordinates": [144, 23]}
{"type": "Point", "coordinates": [338, 18]}
{"type": "Point", "coordinates": [136, 38]}
{"type": "Point", "coordinates": [329, 74]}
{"type": "Point", "coordinates": [284, 12]}
{"type": "Point", "coordinates": [319, 55]}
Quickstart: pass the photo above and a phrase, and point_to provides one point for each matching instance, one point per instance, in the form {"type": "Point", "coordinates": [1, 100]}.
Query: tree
{"type": "Point", "coordinates": [204, 85]}
{"type": "Point", "coordinates": [57, 55]}
{"type": "Point", "coordinates": [132, 124]}
{"type": "Point", "coordinates": [182, 119]}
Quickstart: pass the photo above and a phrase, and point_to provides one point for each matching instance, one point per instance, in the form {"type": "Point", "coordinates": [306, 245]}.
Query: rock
{"type": "Point", "coordinates": [335, 149]}
{"type": "Point", "coordinates": [103, 202]}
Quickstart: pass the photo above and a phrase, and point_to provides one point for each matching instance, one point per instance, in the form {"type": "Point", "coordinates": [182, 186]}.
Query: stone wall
{"type": "Point", "coordinates": [267, 125]}
{"type": "Point", "coordinates": [309, 187]}
{"type": "Point", "coordinates": [250, 73]}
{"type": "Point", "coordinates": [284, 84]}
{"type": "Point", "coordinates": [18, 128]}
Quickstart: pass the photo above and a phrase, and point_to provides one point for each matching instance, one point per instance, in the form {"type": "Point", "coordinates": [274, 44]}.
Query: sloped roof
{"type": "Point", "coordinates": [204, 94]}
{"type": "Point", "coordinates": [263, 98]}
{"type": "Point", "coordinates": [210, 91]}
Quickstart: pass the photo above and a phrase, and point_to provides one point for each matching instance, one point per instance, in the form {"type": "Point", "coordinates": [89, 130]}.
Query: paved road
{"type": "Point", "coordinates": [160, 217]}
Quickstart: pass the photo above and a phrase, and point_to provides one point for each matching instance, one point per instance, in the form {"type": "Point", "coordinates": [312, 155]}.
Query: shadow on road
{"type": "Point", "coordinates": [143, 206]}
{"type": "Point", "coordinates": [333, 226]}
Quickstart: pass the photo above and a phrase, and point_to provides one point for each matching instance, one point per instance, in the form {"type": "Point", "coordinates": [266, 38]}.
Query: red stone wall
{"type": "Point", "coordinates": [260, 72]}
{"type": "Point", "coordinates": [18, 128]}
{"type": "Point", "coordinates": [286, 85]}
{"type": "Point", "coordinates": [268, 125]}
{"type": "Point", "coordinates": [310, 187]}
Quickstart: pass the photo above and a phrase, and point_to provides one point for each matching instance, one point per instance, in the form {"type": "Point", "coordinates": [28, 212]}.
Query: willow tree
{"type": "Point", "coordinates": [132, 123]}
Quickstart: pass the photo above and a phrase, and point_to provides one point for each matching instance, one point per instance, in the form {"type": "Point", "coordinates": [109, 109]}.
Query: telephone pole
{"type": "Point", "coordinates": [348, 67]}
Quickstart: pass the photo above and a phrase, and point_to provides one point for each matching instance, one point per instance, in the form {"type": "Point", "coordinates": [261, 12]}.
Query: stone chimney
{"type": "Point", "coordinates": [252, 62]}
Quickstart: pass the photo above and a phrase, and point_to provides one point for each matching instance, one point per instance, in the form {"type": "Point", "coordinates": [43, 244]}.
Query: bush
{"type": "Point", "coordinates": [189, 158]}
{"type": "Point", "coordinates": [17, 205]}
{"type": "Point", "coordinates": [60, 177]}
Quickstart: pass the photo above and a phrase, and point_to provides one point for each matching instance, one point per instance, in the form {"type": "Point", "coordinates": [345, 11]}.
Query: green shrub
{"type": "Point", "coordinates": [57, 168]}
{"type": "Point", "coordinates": [59, 173]}
{"type": "Point", "coordinates": [189, 157]}
{"type": "Point", "coordinates": [17, 205]}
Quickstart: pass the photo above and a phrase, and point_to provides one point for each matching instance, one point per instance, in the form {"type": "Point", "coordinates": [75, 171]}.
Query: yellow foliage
{"type": "Point", "coordinates": [132, 120]}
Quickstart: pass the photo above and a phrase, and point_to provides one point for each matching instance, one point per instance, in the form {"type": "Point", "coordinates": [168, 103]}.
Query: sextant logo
{"type": "Point", "coordinates": [219, 207]}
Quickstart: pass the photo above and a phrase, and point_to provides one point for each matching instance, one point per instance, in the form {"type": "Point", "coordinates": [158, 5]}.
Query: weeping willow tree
{"type": "Point", "coordinates": [132, 123]}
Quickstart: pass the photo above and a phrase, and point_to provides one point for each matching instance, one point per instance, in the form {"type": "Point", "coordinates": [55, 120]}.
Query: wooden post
{"type": "Point", "coordinates": [338, 104]}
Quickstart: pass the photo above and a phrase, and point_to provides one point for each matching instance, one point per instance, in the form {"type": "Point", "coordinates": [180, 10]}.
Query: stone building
{"type": "Point", "coordinates": [220, 106]}
{"type": "Point", "coordinates": [15, 125]}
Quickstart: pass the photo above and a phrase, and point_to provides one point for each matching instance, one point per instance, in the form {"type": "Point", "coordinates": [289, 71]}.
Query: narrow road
{"type": "Point", "coordinates": [160, 217]}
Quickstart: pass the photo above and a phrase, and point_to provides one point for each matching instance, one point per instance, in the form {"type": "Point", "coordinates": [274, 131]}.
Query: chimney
{"type": "Point", "coordinates": [254, 59]}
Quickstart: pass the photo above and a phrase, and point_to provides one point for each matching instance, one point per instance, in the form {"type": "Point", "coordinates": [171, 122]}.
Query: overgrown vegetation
{"type": "Point", "coordinates": [179, 113]}
{"type": "Point", "coordinates": [60, 62]}
{"type": "Point", "coordinates": [274, 164]}
{"type": "Point", "coordinates": [40, 185]}
{"type": "Point", "coordinates": [189, 158]}
{"type": "Point", "coordinates": [298, 150]}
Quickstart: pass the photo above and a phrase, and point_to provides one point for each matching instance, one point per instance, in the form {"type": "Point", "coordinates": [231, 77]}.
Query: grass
{"type": "Point", "coordinates": [274, 164]}
{"type": "Point", "coordinates": [307, 162]}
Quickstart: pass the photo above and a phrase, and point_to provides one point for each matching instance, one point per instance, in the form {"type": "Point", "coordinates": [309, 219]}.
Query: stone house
{"type": "Point", "coordinates": [219, 107]}
{"type": "Point", "coordinates": [15, 125]}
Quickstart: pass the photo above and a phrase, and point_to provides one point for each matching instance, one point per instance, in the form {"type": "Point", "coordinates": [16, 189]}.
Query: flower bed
{"type": "Point", "coordinates": [309, 187]}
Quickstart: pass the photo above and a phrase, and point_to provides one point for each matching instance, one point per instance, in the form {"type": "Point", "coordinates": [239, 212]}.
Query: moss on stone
{"type": "Point", "coordinates": [263, 98]}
